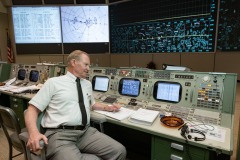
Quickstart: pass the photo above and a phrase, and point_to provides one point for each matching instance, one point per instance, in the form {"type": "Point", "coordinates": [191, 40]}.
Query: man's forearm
{"type": "Point", "coordinates": [31, 116]}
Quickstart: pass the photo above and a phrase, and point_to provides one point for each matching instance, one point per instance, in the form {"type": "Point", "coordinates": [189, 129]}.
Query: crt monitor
{"type": "Point", "coordinates": [21, 74]}
{"type": "Point", "coordinates": [100, 83]}
{"type": "Point", "coordinates": [167, 91]}
{"type": "Point", "coordinates": [33, 76]}
{"type": "Point", "coordinates": [129, 87]}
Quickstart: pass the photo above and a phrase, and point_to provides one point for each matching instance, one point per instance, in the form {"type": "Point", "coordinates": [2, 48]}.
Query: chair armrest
{"type": "Point", "coordinates": [98, 118]}
{"type": "Point", "coordinates": [24, 136]}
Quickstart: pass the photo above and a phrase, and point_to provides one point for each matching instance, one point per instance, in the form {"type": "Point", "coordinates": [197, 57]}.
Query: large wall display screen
{"type": "Point", "coordinates": [36, 24]}
{"type": "Point", "coordinates": [228, 28]}
{"type": "Point", "coordinates": [85, 24]}
{"type": "Point", "coordinates": [163, 26]}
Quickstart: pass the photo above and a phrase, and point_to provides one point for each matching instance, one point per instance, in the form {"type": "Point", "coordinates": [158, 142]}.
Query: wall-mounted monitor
{"type": "Point", "coordinates": [167, 91]}
{"type": "Point", "coordinates": [21, 74]}
{"type": "Point", "coordinates": [100, 83]}
{"type": "Point", "coordinates": [33, 76]}
{"type": "Point", "coordinates": [129, 87]}
{"type": "Point", "coordinates": [39, 24]}
{"type": "Point", "coordinates": [85, 24]}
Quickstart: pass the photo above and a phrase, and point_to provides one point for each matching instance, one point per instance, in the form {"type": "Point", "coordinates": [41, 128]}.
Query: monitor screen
{"type": "Point", "coordinates": [84, 24]}
{"type": "Point", "coordinates": [21, 74]}
{"type": "Point", "coordinates": [34, 75]}
{"type": "Point", "coordinates": [129, 87]}
{"type": "Point", "coordinates": [38, 24]}
{"type": "Point", "coordinates": [167, 91]}
{"type": "Point", "coordinates": [100, 83]}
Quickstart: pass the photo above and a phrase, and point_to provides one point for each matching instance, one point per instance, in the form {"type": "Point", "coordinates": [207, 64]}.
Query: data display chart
{"type": "Point", "coordinates": [163, 26]}
{"type": "Point", "coordinates": [84, 24]}
{"type": "Point", "coordinates": [228, 28]}
{"type": "Point", "coordinates": [130, 87]}
{"type": "Point", "coordinates": [36, 24]}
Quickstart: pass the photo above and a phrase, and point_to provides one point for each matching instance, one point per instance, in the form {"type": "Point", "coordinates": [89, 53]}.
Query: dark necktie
{"type": "Point", "coordinates": [81, 103]}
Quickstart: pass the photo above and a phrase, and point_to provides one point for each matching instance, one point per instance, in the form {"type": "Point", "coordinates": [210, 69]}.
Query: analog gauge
{"type": "Point", "coordinates": [206, 79]}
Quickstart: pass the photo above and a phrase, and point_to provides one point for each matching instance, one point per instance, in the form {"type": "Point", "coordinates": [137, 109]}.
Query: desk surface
{"type": "Point", "coordinates": [159, 129]}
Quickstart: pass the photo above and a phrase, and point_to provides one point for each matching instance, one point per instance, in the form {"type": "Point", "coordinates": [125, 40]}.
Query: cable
{"type": "Point", "coordinates": [199, 126]}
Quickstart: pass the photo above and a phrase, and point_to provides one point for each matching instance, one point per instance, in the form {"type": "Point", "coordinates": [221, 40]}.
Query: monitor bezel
{"type": "Point", "coordinates": [94, 82]}
{"type": "Point", "coordinates": [121, 86]}
{"type": "Point", "coordinates": [155, 89]}
{"type": "Point", "coordinates": [30, 73]}
{"type": "Point", "coordinates": [24, 74]}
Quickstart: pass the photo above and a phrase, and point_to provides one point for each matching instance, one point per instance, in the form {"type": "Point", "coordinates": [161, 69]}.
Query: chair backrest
{"type": "Point", "coordinates": [39, 119]}
{"type": "Point", "coordinates": [24, 137]}
{"type": "Point", "coordinates": [9, 121]}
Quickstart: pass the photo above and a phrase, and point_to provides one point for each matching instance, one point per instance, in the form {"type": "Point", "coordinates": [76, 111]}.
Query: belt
{"type": "Point", "coordinates": [69, 127]}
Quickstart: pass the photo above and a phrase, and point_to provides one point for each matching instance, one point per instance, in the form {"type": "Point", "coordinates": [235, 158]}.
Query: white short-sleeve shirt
{"type": "Point", "coordinates": [59, 96]}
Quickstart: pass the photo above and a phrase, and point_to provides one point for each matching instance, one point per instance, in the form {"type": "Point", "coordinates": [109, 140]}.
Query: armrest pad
{"type": "Point", "coordinates": [98, 118]}
{"type": "Point", "coordinates": [24, 136]}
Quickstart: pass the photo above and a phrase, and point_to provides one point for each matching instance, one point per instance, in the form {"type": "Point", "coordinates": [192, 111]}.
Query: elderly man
{"type": "Point", "coordinates": [66, 119]}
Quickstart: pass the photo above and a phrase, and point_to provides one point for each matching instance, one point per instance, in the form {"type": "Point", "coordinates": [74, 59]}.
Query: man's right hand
{"type": "Point", "coordinates": [34, 141]}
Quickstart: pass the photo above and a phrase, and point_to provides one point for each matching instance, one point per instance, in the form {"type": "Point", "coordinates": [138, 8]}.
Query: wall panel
{"type": "Point", "coordinates": [102, 60]}
{"type": "Point", "coordinates": [140, 60]}
{"type": "Point", "coordinates": [28, 59]}
{"type": "Point", "coordinates": [166, 58]}
{"type": "Point", "coordinates": [228, 62]}
{"type": "Point", "coordinates": [120, 60]}
{"type": "Point", "coordinates": [202, 62]}
{"type": "Point", "coordinates": [3, 37]}
{"type": "Point", "coordinates": [51, 58]}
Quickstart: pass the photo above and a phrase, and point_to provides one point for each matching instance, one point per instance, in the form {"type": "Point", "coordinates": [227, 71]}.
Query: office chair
{"type": "Point", "coordinates": [96, 119]}
{"type": "Point", "coordinates": [24, 138]}
{"type": "Point", "coordinates": [11, 127]}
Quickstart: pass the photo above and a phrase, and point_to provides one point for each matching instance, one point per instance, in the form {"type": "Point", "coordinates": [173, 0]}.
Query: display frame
{"type": "Point", "coordinates": [34, 76]}
{"type": "Point", "coordinates": [94, 82]}
{"type": "Point", "coordinates": [20, 75]}
{"type": "Point", "coordinates": [121, 87]}
{"type": "Point", "coordinates": [156, 90]}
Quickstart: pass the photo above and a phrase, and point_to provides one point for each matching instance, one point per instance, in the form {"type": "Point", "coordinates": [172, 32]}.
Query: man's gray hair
{"type": "Point", "coordinates": [77, 54]}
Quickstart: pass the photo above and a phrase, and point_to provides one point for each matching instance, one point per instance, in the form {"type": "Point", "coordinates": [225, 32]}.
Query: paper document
{"type": "Point", "coordinates": [7, 87]}
{"type": "Point", "coordinates": [212, 133]}
{"type": "Point", "coordinates": [10, 81]}
{"type": "Point", "coordinates": [23, 89]}
{"type": "Point", "coordinates": [217, 134]}
{"type": "Point", "coordinates": [120, 115]}
{"type": "Point", "coordinates": [144, 116]}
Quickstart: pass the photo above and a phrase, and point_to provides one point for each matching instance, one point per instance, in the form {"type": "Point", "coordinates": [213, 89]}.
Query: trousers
{"type": "Point", "coordinates": [88, 144]}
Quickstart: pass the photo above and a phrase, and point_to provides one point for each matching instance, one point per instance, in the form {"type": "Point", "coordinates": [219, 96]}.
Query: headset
{"type": "Point", "coordinates": [185, 133]}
